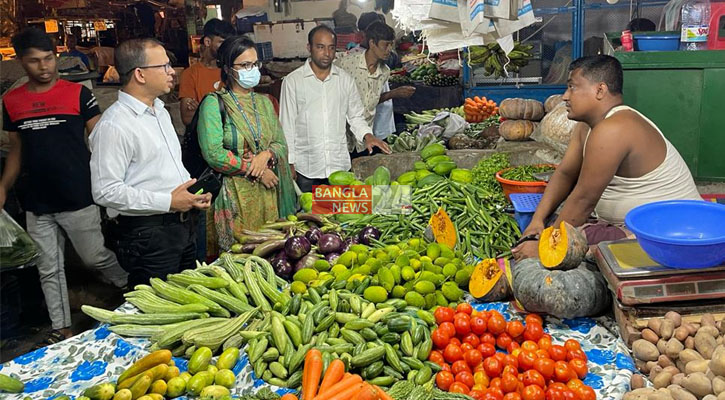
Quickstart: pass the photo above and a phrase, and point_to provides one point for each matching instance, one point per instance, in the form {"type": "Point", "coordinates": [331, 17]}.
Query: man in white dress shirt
{"type": "Point", "coordinates": [136, 169]}
{"type": "Point", "coordinates": [317, 100]}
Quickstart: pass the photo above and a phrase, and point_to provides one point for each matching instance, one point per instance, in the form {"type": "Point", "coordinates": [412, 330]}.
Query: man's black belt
{"type": "Point", "coordinates": [155, 220]}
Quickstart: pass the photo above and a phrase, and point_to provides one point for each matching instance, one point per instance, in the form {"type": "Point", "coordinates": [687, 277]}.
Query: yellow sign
{"type": "Point", "coordinates": [443, 228]}
{"type": "Point", "coordinates": [99, 26]}
{"type": "Point", "coordinates": [51, 26]}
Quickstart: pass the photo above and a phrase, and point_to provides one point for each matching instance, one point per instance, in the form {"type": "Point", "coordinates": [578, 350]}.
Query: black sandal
{"type": "Point", "coordinates": [55, 336]}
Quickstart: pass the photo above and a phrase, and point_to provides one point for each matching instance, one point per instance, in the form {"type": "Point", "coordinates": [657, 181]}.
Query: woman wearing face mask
{"type": "Point", "coordinates": [249, 148]}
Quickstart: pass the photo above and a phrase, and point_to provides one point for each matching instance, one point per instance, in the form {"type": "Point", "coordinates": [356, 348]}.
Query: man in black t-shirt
{"type": "Point", "coordinates": [47, 119]}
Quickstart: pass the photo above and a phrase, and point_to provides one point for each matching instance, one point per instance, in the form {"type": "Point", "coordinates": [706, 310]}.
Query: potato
{"type": "Point", "coordinates": [721, 326]}
{"type": "Point", "coordinates": [654, 324]}
{"type": "Point", "coordinates": [705, 343]}
{"type": "Point", "coordinates": [673, 348]}
{"type": "Point", "coordinates": [678, 393]}
{"type": "Point", "coordinates": [721, 396]}
{"type": "Point", "coordinates": [662, 380]}
{"type": "Point", "coordinates": [690, 342]}
{"type": "Point", "coordinates": [636, 381]}
{"type": "Point", "coordinates": [681, 333]}
{"type": "Point", "coordinates": [654, 370]}
{"type": "Point", "coordinates": [709, 375]}
{"type": "Point", "coordinates": [662, 346]}
{"type": "Point", "coordinates": [698, 384]}
{"type": "Point", "coordinates": [710, 397]}
{"type": "Point", "coordinates": [674, 317]}
{"type": "Point", "coordinates": [664, 361]}
{"type": "Point", "coordinates": [688, 355]}
{"type": "Point", "coordinates": [641, 366]}
{"type": "Point", "coordinates": [638, 394]}
{"type": "Point", "coordinates": [671, 369]}
{"type": "Point", "coordinates": [707, 320]}
{"type": "Point", "coordinates": [718, 385]}
{"type": "Point", "coordinates": [650, 335]}
{"type": "Point", "coordinates": [660, 394]}
{"type": "Point", "coordinates": [710, 330]}
{"type": "Point", "coordinates": [667, 328]}
{"type": "Point", "coordinates": [645, 350]}
{"type": "Point", "coordinates": [719, 340]}
{"type": "Point", "coordinates": [692, 328]}
{"type": "Point", "coordinates": [680, 365]}
{"type": "Point", "coordinates": [696, 366]}
{"type": "Point", "coordinates": [717, 363]}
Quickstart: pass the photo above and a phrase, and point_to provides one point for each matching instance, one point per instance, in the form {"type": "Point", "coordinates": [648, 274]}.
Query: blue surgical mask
{"type": "Point", "coordinates": [248, 79]}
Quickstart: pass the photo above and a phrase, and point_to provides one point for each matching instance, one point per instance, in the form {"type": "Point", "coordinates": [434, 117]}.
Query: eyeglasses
{"type": "Point", "coordinates": [167, 67]}
{"type": "Point", "coordinates": [247, 66]}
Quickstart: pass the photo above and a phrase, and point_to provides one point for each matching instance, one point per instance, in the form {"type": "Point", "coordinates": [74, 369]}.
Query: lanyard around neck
{"type": "Point", "coordinates": [258, 134]}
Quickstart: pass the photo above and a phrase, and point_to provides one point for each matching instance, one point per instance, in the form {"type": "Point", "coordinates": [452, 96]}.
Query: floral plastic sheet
{"type": "Point", "coordinates": [99, 355]}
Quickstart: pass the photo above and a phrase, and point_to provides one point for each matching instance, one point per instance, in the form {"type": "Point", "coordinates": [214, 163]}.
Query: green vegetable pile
{"type": "Point", "coordinates": [484, 174]}
{"type": "Point", "coordinates": [525, 173]}
{"type": "Point", "coordinates": [16, 246]}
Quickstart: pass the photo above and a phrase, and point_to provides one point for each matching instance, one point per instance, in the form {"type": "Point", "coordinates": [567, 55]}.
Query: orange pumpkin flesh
{"type": "Point", "coordinates": [488, 282]}
{"type": "Point", "coordinates": [562, 248]}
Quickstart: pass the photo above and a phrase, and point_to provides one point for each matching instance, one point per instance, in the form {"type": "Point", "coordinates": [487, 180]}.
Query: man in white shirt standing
{"type": "Point", "coordinates": [136, 169]}
{"type": "Point", "coordinates": [317, 100]}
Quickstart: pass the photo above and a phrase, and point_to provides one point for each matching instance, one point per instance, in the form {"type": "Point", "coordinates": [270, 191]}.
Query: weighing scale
{"type": "Point", "coordinates": [636, 279]}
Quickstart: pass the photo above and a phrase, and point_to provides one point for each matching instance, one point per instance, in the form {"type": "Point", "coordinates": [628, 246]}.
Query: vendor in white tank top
{"type": "Point", "coordinates": [617, 159]}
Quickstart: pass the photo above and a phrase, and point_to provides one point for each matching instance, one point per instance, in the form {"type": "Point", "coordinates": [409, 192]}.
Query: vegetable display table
{"type": "Point", "coordinates": [99, 355]}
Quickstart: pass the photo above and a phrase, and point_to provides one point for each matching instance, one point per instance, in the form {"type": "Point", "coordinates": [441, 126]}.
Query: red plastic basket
{"type": "Point", "coordinates": [510, 186]}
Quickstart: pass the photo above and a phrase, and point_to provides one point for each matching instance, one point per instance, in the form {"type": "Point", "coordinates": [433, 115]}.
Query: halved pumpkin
{"type": "Point", "coordinates": [563, 247]}
{"type": "Point", "coordinates": [488, 282]}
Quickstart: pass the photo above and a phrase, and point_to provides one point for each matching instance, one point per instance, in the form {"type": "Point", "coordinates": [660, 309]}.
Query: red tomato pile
{"type": "Point", "coordinates": [532, 369]}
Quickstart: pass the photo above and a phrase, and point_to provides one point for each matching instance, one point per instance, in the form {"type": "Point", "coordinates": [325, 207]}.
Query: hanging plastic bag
{"type": "Point", "coordinates": [16, 246]}
{"type": "Point", "coordinates": [451, 122]}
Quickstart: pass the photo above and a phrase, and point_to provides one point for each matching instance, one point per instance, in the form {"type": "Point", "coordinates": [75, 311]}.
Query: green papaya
{"type": "Point", "coordinates": [433, 161]}
{"type": "Point", "coordinates": [461, 175]}
{"type": "Point", "coordinates": [421, 173]}
{"type": "Point", "coordinates": [306, 201]}
{"type": "Point", "coordinates": [407, 178]}
{"type": "Point", "coordinates": [429, 180]}
{"type": "Point", "coordinates": [444, 168]}
{"type": "Point", "coordinates": [341, 178]}
{"type": "Point", "coordinates": [419, 165]}
{"type": "Point", "coordinates": [432, 150]}
{"type": "Point", "coordinates": [381, 176]}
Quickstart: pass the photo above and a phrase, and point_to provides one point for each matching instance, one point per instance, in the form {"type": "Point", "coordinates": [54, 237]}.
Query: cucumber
{"type": "Point", "coordinates": [368, 357]}
{"type": "Point", "coordinates": [10, 384]}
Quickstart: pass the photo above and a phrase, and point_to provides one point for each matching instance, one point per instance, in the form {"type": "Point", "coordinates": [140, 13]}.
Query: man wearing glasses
{"type": "Point", "coordinates": [137, 172]}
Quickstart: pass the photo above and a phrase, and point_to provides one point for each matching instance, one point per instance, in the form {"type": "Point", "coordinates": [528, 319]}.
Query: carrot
{"type": "Point", "coordinates": [383, 394]}
{"type": "Point", "coordinates": [335, 372]}
{"type": "Point", "coordinates": [470, 101]}
{"type": "Point", "coordinates": [477, 99]}
{"type": "Point", "coordinates": [289, 396]}
{"type": "Point", "coordinates": [368, 392]}
{"type": "Point", "coordinates": [349, 392]}
{"type": "Point", "coordinates": [339, 387]}
{"type": "Point", "coordinates": [311, 374]}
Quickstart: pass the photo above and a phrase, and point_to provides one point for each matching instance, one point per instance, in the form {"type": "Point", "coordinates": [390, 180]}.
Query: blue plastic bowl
{"type": "Point", "coordinates": [657, 42]}
{"type": "Point", "coordinates": [680, 233]}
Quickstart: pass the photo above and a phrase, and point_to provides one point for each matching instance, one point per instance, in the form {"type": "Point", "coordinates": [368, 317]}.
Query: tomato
{"type": "Point", "coordinates": [533, 332]}
{"type": "Point", "coordinates": [545, 366]}
{"type": "Point", "coordinates": [545, 343]}
{"type": "Point", "coordinates": [509, 382]}
{"type": "Point", "coordinates": [472, 339]}
{"type": "Point", "coordinates": [533, 392]}
{"type": "Point", "coordinates": [464, 308]}
{"type": "Point", "coordinates": [465, 316]}
{"type": "Point", "coordinates": [492, 367]}
{"type": "Point", "coordinates": [479, 368]}
{"type": "Point", "coordinates": [497, 393]}
{"type": "Point", "coordinates": [578, 354]}
{"type": "Point", "coordinates": [478, 325]}
{"type": "Point", "coordinates": [481, 378]}
{"type": "Point", "coordinates": [496, 324]}
{"type": "Point", "coordinates": [513, 346]}
{"type": "Point", "coordinates": [557, 352]}
{"type": "Point", "coordinates": [465, 378]}
{"type": "Point", "coordinates": [515, 328]}
{"type": "Point", "coordinates": [570, 395]}
{"type": "Point", "coordinates": [574, 384]}
{"type": "Point", "coordinates": [443, 314]}
{"type": "Point", "coordinates": [455, 340]}
{"type": "Point", "coordinates": [533, 377]}
{"type": "Point", "coordinates": [562, 372]}
{"type": "Point", "coordinates": [440, 338]}
{"type": "Point", "coordinates": [503, 341]}
{"type": "Point", "coordinates": [554, 393]}
{"type": "Point", "coordinates": [488, 338]}
{"type": "Point", "coordinates": [529, 345]}
{"type": "Point", "coordinates": [512, 396]}
{"type": "Point", "coordinates": [447, 328]}
{"type": "Point", "coordinates": [586, 393]}
{"type": "Point", "coordinates": [465, 347]}
{"type": "Point", "coordinates": [541, 353]}
{"type": "Point", "coordinates": [534, 318]}
{"type": "Point", "coordinates": [460, 366]}
{"type": "Point", "coordinates": [526, 359]}
{"type": "Point", "coordinates": [579, 367]}
{"type": "Point", "coordinates": [495, 383]}
{"type": "Point", "coordinates": [458, 387]}
{"type": "Point", "coordinates": [444, 380]}
{"type": "Point", "coordinates": [446, 367]}
{"type": "Point", "coordinates": [486, 349]}
{"type": "Point", "coordinates": [572, 344]}
{"type": "Point", "coordinates": [501, 357]}
{"type": "Point", "coordinates": [488, 395]}
{"type": "Point", "coordinates": [508, 359]}
{"type": "Point", "coordinates": [436, 357]}
{"type": "Point", "coordinates": [473, 357]}
{"type": "Point", "coordinates": [476, 394]}
{"type": "Point", "coordinates": [452, 353]}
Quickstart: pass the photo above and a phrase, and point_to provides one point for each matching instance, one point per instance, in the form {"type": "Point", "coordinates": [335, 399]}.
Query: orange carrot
{"type": "Point", "coordinates": [339, 387]}
{"type": "Point", "coordinates": [348, 393]}
{"type": "Point", "coordinates": [335, 372]}
{"type": "Point", "coordinates": [383, 394]}
{"type": "Point", "coordinates": [368, 392]}
{"type": "Point", "coordinates": [311, 374]}
{"type": "Point", "coordinates": [288, 396]}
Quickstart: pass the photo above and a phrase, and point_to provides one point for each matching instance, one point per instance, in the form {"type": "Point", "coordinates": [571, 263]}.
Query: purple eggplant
{"type": "Point", "coordinates": [313, 235]}
{"type": "Point", "coordinates": [329, 243]}
{"type": "Point", "coordinates": [282, 267]}
{"type": "Point", "coordinates": [307, 261]}
{"type": "Point", "coordinates": [297, 247]}
{"type": "Point", "coordinates": [369, 232]}
{"type": "Point", "coordinates": [349, 242]}
{"type": "Point", "coordinates": [332, 258]}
